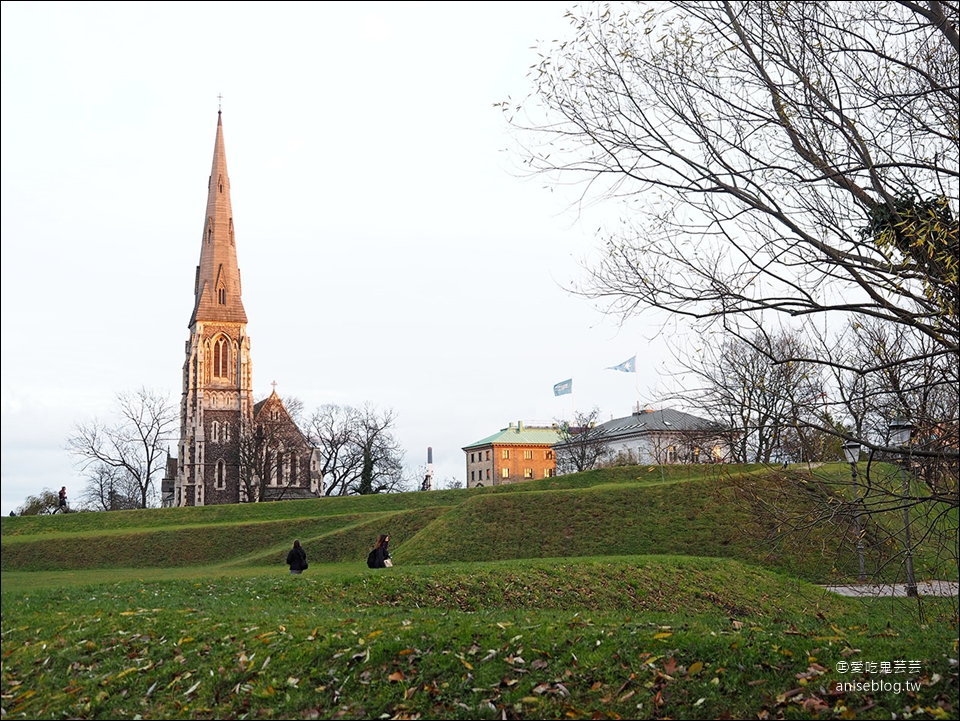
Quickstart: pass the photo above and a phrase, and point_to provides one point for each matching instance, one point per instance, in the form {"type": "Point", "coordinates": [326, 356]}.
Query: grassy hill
{"type": "Point", "coordinates": [621, 593]}
{"type": "Point", "coordinates": [683, 510]}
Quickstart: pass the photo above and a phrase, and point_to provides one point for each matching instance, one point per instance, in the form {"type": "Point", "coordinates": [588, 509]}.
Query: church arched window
{"type": "Point", "coordinates": [221, 356]}
{"type": "Point", "coordinates": [221, 475]}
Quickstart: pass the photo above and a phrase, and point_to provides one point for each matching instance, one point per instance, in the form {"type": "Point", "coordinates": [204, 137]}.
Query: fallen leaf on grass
{"type": "Point", "coordinates": [695, 668]}
{"type": "Point", "coordinates": [396, 676]}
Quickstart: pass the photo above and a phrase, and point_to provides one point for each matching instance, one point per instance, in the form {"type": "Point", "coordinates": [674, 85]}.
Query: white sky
{"type": "Point", "coordinates": [389, 251]}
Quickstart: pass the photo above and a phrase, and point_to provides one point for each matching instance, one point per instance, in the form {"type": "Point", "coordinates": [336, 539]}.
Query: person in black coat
{"type": "Point", "coordinates": [297, 559]}
{"type": "Point", "coordinates": [382, 552]}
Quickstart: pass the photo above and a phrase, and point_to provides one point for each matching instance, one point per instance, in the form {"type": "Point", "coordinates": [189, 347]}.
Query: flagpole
{"type": "Point", "coordinates": [636, 380]}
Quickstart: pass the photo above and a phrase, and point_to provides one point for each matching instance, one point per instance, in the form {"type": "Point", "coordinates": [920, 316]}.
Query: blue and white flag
{"type": "Point", "coordinates": [628, 366]}
{"type": "Point", "coordinates": [563, 387]}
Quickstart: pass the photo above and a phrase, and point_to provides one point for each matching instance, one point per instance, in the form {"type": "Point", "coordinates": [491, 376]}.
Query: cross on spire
{"type": "Point", "coordinates": [274, 384]}
{"type": "Point", "coordinates": [219, 102]}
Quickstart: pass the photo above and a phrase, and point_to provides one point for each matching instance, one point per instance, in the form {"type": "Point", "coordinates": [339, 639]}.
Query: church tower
{"type": "Point", "coordinates": [217, 404]}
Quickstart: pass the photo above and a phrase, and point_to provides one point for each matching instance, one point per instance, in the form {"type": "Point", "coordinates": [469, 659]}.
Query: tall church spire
{"type": "Point", "coordinates": [217, 289]}
{"type": "Point", "coordinates": [217, 405]}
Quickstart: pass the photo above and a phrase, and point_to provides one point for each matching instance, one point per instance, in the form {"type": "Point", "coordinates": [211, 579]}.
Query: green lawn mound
{"type": "Point", "coordinates": [699, 511]}
{"type": "Point", "coordinates": [665, 584]}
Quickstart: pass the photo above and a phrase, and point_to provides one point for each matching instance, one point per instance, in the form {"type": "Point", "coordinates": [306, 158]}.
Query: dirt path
{"type": "Point", "coordinates": [924, 588]}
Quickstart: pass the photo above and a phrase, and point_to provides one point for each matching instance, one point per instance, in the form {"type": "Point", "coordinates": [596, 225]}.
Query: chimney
{"type": "Point", "coordinates": [519, 426]}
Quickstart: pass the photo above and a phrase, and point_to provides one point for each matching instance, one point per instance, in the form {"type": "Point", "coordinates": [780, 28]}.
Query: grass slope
{"type": "Point", "coordinates": [621, 593]}
{"type": "Point", "coordinates": [684, 510]}
{"type": "Point", "coordinates": [658, 637]}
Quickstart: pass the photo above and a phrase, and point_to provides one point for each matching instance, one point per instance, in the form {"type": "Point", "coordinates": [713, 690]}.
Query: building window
{"type": "Point", "coordinates": [471, 458]}
{"type": "Point", "coordinates": [472, 477]}
{"type": "Point", "coordinates": [548, 472]}
{"type": "Point", "coordinates": [672, 454]}
{"type": "Point", "coordinates": [696, 455]}
{"type": "Point", "coordinates": [488, 474]}
{"type": "Point", "coordinates": [548, 456]}
{"type": "Point", "coordinates": [221, 352]}
{"type": "Point", "coordinates": [528, 473]}
{"type": "Point", "coordinates": [226, 432]}
{"type": "Point", "coordinates": [215, 432]}
{"type": "Point", "coordinates": [528, 455]}
{"type": "Point", "coordinates": [505, 454]}
{"type": "Point", "coordinates": [505, 472]}
{"type": "Point", "coordinates": [488, 455]}
{"type": "Point", "coordinates": [221, 475]}
{"type": "Point", "coordinates": [222, 296]}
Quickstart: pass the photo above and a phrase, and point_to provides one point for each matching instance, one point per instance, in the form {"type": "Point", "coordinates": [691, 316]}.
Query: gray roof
{"type": "Point", "coordinates": [661, 421]}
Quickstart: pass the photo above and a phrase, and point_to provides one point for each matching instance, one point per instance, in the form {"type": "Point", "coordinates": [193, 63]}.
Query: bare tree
{"type": "Point", "coordinates": [775, 158]}
{"type": "Point", "coordinates": [764, 399]}
{"type": "Point", "coordinates": [582, 445]}
{"type": "Point", "coordinates": [358, 451]}
{"type": "Point", "coordinates": [135, 445]}
{"type": "Point", "coordinates": [109, 489]}
{"type": "Point", "coordinates": [793, 159]}
{"type": "Point", "coordinates": [797, 158]}
{"type": "Point", "coordinates": [890, 372]}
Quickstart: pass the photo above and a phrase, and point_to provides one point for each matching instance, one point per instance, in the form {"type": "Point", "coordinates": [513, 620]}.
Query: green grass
{"type": "Point", "coordinates": [605, 638]}
{"type": "Point", "coordinates": [622, 593]}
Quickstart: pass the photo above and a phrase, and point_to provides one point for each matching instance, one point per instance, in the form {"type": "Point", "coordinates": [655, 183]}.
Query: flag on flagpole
{"type": "Point", "coordinates": [563, 387]}
{"type": "Point", "coordinates": [628, 366]}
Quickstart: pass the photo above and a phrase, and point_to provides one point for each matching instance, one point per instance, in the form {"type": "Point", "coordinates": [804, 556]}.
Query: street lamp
{"type": "Point", "coordinates": [851, 452]}
{"type": "Point", "coordinates": [900, 431]}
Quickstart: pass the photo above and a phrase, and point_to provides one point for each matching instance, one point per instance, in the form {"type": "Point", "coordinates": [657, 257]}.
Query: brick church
{"type": "Point", "coordinates": [231, 449]}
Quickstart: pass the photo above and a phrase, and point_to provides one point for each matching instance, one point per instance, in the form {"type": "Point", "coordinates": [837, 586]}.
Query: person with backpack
{"type": "Point", "coordinates": [379, 557]}
{"type": "Point", "coordinates": [63, 499]}
{"type": "Point", "coordinates": [297, 559]}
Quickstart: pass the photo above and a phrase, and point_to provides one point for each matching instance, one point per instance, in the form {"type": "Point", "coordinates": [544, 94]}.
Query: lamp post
{"type": "Point", "coordinates": [900, 431]}
{"type": "Point", "coordinates": [851, 452]}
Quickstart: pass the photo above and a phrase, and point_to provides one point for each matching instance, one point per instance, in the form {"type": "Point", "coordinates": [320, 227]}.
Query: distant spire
{"type": "Point", "coordinates": [217, 290]}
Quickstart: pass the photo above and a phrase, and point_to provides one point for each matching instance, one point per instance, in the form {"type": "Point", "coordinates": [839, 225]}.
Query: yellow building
{"type": "Point", "coordinates": [514, 454]}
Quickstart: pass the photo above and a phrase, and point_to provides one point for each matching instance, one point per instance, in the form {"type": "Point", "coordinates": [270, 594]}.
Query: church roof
{"type": "Point", "coordinates": [217, 288]}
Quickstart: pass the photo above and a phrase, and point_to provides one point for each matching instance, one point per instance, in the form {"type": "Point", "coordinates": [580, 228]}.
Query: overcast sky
{"type": "Point", "coordinates": [390, 253]}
